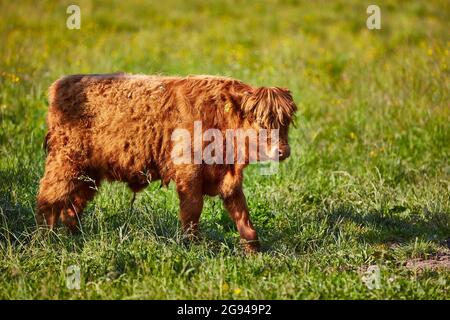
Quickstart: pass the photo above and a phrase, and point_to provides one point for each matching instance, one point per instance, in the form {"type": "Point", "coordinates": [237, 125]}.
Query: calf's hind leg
{"type": "Point", "coordinates": [63, 200]}
{"type": "Point", "coordinates": [75, 204]}
{"type": "Point", "coordinates": [62, 195]}
{"type": "Point", "coordinates": [54, 188]}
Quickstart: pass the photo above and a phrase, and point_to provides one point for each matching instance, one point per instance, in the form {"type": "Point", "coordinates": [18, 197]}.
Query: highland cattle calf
{"type": "Point", "coordinates": [121, 127]}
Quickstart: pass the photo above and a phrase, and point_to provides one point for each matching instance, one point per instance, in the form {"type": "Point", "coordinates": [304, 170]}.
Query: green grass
{"type": "Point", "coordinates": [367, 183]}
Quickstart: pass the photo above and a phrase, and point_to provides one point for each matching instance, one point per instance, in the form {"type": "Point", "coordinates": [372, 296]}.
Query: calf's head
{"type": "Point", "coordinates": [271, 109]}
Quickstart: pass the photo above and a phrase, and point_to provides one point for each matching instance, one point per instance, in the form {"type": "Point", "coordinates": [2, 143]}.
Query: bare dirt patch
{"type": "Point", "coordinates": [438, 261]}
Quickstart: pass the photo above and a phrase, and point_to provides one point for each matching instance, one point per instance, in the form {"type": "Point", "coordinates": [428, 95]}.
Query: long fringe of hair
{"type": "Point", "coordinates": [271, 107]}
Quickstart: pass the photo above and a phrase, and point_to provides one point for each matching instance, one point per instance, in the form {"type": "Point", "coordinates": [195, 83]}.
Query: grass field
{"type": "Point", "coordinates": [367, 184]}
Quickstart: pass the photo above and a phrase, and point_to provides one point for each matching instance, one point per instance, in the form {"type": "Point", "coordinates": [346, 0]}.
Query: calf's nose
{"type": "Point", "coordinates": [284, 152]}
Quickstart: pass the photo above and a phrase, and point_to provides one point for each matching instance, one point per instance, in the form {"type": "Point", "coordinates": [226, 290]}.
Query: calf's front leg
{"type": "Point", "coordinates": [236, 206]}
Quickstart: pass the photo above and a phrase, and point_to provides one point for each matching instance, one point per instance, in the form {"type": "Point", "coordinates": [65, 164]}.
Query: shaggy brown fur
{"type": "Point", "coordinates": [118, 127]}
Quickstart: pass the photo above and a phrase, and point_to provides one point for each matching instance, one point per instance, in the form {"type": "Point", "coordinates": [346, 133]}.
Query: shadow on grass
{"type": "Point", "coordinates": [312, 232]}
{"type": "Point", "coordinates": [396, 225]}
{"type": "Point", "coordinates": [16, 207]}
{"type": "Point", "coordinates": [16, 222]}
